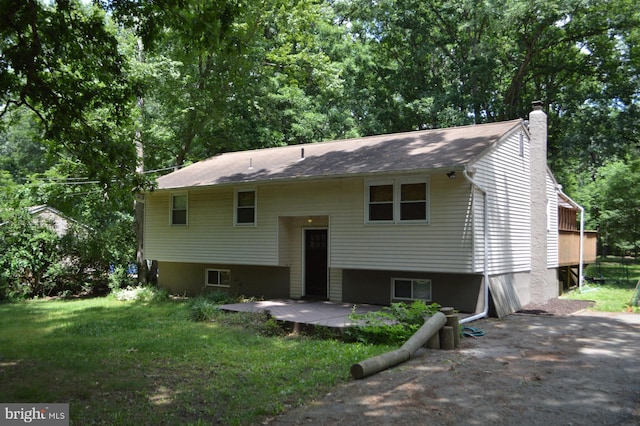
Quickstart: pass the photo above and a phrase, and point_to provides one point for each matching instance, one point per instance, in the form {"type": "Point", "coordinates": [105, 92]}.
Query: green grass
{"type": "Point", "coordinates": [129, 362]}
{"type": "Point", "coordinates": [615, 288]}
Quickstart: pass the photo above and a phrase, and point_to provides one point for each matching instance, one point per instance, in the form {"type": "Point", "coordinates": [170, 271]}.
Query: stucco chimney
{"type": "Point", "coordinates": [541, 282]}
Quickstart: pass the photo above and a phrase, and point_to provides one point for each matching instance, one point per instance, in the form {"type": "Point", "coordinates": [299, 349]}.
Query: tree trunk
{"type": "Point", "coordinates": [145, 275]}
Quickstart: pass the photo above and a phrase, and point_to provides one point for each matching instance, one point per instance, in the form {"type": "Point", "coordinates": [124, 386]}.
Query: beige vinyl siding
{"type": "Point", "coordinates": [552, 232]}
{"type": "Point", "coordinates": [504, 174]}
{"type": "Point", "coordinates": [210, 235]}
{"type": "Point", "coordinates": [294, 246]}
{"type": "Point", "coordinates": [442, 245]}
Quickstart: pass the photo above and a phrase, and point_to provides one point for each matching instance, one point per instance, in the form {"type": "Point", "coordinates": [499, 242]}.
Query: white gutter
{"type": "Point", "coordinates": [485, 312]}
{"type": "Point", "coordinates": [579, 207]}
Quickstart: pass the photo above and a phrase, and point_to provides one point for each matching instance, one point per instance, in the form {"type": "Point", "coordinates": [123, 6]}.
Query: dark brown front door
{"type": "Point", "coordinates": [315, 263]}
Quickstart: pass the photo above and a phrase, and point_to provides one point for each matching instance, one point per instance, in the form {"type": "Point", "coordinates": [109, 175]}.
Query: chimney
{"type": "Point", "coordinates": [542, 287]}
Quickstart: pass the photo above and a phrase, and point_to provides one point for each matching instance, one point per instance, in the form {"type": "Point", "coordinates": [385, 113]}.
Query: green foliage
{"type": "Point", "coordinates": [260, 323]}
{"type": "Point", "coordinates": [207, 308]}
{"type": "Point", "coordinates": [616, 286]}
{"type": "Point", "coordinates": [392, 325]}
{"type": "Point", "coordinates": [218, 297]}
{"type": "Point", "coordinates": [21, 149]}
{"type": "Point", "coordinates": [202, 309]}
{"type": "Point", "coordinates": [140, 294]}
{"type": "Point", "coordinates": [35, 261]}
{"type": "Point", "coordinates": [191, 78]}
{"type": "Point", "coordinates": [119, 278]}
{"type": "Point", "coordinates": [612, 202]}
{"type": "Point", "coordinates": [29, 258]}
{"type": "Point", "coordinates": [271, 75]}
{"type": "Point", "coordinates": [61, 61]}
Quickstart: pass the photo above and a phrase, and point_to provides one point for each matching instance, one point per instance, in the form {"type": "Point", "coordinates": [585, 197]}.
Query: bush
{"type": "Point", "coordinates": [392, 325]}
{"type": "Point", "coordinates": [30, 263]}
{"type": "Point", "coordinates": [36, 262]}
{"type": "Point", "coordinates": [202, 309]}
{"type": "Point", "coordinates": [140, 294]}
{"type": "Point", "coordinates": [120, 278]}
{"type": "Point", "coordinates": [219, 297]}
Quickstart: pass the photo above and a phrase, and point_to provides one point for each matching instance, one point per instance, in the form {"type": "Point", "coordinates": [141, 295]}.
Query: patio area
{"type": "Point", "coordinates": [305, 312]}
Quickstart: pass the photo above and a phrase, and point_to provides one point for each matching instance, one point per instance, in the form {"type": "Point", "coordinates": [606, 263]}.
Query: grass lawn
{"type": "Point", "coordinates": [146, 363]}
{"type": "Point", "coordinates": [615, 288]}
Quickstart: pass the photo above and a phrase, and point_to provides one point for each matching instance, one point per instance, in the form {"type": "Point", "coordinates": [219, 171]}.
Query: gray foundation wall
{"type": "Point", "coordinates": [269, 282]}
{"type": "Point", "coordinates": [460, 291]}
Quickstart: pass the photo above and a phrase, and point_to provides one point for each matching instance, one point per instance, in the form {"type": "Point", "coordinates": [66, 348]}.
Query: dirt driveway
{"type": "Point", "coordinates": [528, 369]}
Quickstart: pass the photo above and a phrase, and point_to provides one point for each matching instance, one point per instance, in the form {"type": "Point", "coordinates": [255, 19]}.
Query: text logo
{"type": "Point", "coordinates": [34, 414]}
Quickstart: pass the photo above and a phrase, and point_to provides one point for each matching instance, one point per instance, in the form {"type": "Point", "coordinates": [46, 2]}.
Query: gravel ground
{"type": "Point", "coordinates": [554, 364]}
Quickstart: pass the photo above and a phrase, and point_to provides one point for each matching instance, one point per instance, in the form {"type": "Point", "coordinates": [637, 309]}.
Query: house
{"type": "Point", "coordinates": [59, 222]}
{"type": "Point", "coordinates": [439, 215]}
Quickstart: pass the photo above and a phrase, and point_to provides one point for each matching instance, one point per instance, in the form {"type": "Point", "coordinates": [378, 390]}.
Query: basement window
{"type": "Point", "coordinates": [411, 289]}
{"type": "Point", "coordinates": [218, 278]}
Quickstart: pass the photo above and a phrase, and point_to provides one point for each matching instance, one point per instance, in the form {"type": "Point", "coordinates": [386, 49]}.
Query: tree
{"type": "Point", "coordinates": [448, 62]}
{"type": "Point", "coordinates": [615, 205]}
{"type": "Point", "coordinates": [257, 75]}
{"type": "Point", "coordinates": [62, 62]}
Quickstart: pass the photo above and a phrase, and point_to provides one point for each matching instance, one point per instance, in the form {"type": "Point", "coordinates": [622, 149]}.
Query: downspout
{"type": "Point", "coordinates": [581, 263]}
{"type": "Point", "coordinates": [485, 312]}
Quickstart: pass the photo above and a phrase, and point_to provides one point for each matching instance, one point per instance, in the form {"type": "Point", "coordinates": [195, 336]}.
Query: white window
{"type": "Point", "coordinates": [411, 289]}
{"type": "Point", "coordinates": [398, 201]}
{"type": "Point", "coordinates": [245, 207]}
{"type": "Point", "coordinates": [179, 207]}
{"type": "Point", "coordinates": [218, 278]}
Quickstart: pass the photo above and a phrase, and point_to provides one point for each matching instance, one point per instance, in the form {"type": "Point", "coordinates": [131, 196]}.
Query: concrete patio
{"type": "Point", "coordinates": [305, 312]}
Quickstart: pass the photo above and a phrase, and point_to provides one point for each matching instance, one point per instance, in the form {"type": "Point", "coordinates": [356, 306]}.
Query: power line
{"type": "Point", "coordinates": [85, 180]}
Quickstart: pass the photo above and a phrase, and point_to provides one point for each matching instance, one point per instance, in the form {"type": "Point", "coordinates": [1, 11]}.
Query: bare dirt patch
{"type": "Point", "coordinates": [547, 365]}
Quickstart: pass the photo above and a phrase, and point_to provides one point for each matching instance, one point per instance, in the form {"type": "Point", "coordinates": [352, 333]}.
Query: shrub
{"type": "Point", "coordinates": [120, 278]}
{"type": "Point", "coordinates": [202, 309]}
{"type": "Point", "coordinates": [219, 297]}
{"type": "Point", "coordinates": [392, 325]}
{"type": "Point", "coordinates": [30, 262]}
{"type": "Point", "coordinates": [140, 294]}
{"type": "Point", "coordinates": [36, 262]}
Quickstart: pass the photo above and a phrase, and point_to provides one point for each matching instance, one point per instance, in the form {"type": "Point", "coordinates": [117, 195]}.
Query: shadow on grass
{"type": "Point", "coordinates": [130, 362]}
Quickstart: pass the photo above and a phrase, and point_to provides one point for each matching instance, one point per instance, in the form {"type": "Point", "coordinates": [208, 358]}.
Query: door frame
{"type": "Point", "coordinates": [304, 258]}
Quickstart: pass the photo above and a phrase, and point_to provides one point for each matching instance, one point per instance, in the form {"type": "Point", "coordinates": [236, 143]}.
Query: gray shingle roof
{"type": "Point", "coordinates": [401, 152]}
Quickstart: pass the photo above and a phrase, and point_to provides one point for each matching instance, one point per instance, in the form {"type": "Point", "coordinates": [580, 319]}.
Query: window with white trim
{"type": "Point", "coordinates": [245, 207]}
{"type": "Point", "coordinates": [218, 278]}
{"type": "Point", "coordinates": [398, 201]}
{"type": "Point", "coordinates": [411, 289]}
{"type": "Point", "coordinates": [179, 209]}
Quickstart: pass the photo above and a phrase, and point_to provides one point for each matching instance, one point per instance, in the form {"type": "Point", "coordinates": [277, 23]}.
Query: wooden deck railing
{"type": "Point", "coordinates": [569, 247]}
